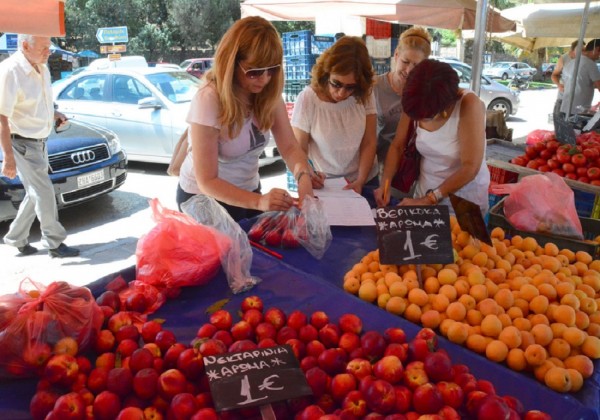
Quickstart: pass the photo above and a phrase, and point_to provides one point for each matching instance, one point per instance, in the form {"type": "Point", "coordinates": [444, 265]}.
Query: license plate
{"type": "Point", "coordinates": [89, 179]}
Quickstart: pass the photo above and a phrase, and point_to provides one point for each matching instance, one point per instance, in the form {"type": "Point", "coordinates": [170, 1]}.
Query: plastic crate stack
{"type": "Point", "coordinates": [300, 52]}
{"type": "Point", "coordinates": [379, 43]}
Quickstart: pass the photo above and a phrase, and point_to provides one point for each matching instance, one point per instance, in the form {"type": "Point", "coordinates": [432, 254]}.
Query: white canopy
{"type": "Point", "coordinates": [447, 14]}
{"type": "Point", "coordinates": [34, 17]}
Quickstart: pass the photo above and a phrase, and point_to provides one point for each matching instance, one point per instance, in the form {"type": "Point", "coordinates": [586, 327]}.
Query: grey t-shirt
{"type": "Point", "coordinates": [389, 109]}
{"type": "Point", "coordinates": [584, 87]}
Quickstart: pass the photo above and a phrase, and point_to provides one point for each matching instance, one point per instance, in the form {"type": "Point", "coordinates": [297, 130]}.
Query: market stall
{"type": "Point", "coordinates": [298, 281]}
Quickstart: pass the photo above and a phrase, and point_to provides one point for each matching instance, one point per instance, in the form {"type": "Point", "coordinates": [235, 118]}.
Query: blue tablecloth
{"type": "Point", "coordinates": [301, 282]}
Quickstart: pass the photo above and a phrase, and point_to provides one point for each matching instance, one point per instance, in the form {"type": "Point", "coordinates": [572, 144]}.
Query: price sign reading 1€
{"type": "Point", "coordinates": [414, 235]}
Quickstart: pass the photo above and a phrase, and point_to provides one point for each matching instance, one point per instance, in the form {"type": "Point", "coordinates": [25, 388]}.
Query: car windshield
{"type": "Point", "coordinates": [501, 65]}
{"type": "Point", "coordinates": [185, 64]}
{"type": "Point", "coordinates": [177, 86]}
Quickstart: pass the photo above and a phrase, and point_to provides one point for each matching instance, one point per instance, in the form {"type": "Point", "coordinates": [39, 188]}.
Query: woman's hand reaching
{"type": "Point", "coordinates": [275, 200]}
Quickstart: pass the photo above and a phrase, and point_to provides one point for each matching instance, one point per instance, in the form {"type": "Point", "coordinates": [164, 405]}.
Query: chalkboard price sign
{"type": "Point", "coordinates": [414, 235]}
{"type": "Point", "coordinates": [255, 377]}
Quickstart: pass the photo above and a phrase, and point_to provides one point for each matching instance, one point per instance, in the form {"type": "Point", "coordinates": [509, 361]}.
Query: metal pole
{"type": "Point", "coordinates": [478, 44]}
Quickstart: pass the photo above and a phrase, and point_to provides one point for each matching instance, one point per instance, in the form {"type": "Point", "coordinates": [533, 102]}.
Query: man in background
{"type": "Point", "coordinates": [27, 116]}
{"type": "Point", "coordinates": [588, 79]}
{"type": "Point", "coordinates": [563, 60]}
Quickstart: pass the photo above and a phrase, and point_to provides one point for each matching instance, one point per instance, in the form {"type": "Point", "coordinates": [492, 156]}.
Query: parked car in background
{"type": "Point", "coordinates": [494, 95]}
{"type": "Point", "coordinates": [124, 61]}
{"type": "Point", "coordinates": [146, 107]}
{"type": "Point", "coordinates": [507, 69]}
{"type": "Point", "coordinates": [197, 66]}
{"type": "Point", "coordinates": [86, 161]}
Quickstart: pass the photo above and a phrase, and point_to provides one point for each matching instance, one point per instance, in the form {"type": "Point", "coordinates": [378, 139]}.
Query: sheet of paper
{"type": "Point", "coordinates": [334, 187]}
{"type": "Point", "coordinates": [353, 211]}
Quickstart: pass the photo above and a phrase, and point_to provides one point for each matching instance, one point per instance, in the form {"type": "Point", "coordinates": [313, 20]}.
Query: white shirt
{"type": "Point", "coordinates": [238, 157]}
{"type": "Point", "coordinates": [26, 97]}
{"type": "Point", "coordinates": [337, 130]}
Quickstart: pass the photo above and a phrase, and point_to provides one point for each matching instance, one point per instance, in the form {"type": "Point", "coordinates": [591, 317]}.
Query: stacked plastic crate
{"type": "Point", "coordinates": [300, 52]}
{"type": "Point", "coordinates": [379, 43]}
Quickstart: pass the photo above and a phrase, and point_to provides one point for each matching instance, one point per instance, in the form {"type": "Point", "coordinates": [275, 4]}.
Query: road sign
{"type": "Point", "coordinates": [114, 57]}
{"type": "Point", "coordinates": [111, 49]}
{"type": "Point", "coordinates": [112, 35]}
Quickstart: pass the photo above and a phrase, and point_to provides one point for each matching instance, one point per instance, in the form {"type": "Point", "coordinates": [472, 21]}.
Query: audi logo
{"type": "Point", "coordinates": [84, 156]}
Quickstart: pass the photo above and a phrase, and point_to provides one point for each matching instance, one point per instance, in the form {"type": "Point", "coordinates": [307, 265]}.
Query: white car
{"type": "Point", "coordinates": [508, 69]}
{"type": "Point", "coordinates": [145, 106]}
{"type": "Point", "coordinates": [494, 95]}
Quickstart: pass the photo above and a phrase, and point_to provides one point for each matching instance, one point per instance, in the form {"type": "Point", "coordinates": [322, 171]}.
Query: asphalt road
{"type": "Point", "coordinates": [107, 229]}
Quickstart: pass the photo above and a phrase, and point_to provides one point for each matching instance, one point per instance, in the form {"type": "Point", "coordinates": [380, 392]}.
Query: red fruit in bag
{"type": "Point", "coordinates": [288, 239]}
{"type": "Point", "coordinates": [273, 238]}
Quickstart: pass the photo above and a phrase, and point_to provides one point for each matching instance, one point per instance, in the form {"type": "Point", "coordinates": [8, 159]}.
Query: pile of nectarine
{"type": "Point", "coordinates": [533, 307]}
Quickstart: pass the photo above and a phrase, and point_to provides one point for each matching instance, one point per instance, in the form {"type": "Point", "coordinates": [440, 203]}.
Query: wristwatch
{"type": "Point", "coordinates": [435, 196]}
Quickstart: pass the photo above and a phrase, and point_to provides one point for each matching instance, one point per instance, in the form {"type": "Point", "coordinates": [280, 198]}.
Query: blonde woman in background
{"type": "Point", "coordinates": [413, 47]}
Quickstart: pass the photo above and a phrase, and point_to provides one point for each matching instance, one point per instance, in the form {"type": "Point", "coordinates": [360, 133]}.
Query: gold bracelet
{"type": "Point", "coordinates": [430, 195]}
{"type": "Point", "coordinates": [300, 174]}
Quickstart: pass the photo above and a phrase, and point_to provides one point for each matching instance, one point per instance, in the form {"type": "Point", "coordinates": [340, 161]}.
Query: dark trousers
{"type": "Point", "coordinates": [237, 213]}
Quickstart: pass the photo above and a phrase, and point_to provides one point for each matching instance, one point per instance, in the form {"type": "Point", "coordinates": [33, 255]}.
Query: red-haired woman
{"type": "Point", "coordinates": [450, 138]}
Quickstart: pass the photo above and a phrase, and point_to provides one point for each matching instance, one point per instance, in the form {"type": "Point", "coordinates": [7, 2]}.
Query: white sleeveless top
{"type": "Point", "coordinates": [440, 158]}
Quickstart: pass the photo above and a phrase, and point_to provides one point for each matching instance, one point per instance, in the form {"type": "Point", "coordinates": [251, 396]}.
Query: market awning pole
{"type": "Point", "coordinates": [478, 44]}
{"type": "Point", "coordinates": [573, 81]}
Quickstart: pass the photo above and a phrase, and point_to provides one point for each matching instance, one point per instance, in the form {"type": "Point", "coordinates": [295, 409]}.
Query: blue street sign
{"type": "Point", "coordinates": [112, 35]}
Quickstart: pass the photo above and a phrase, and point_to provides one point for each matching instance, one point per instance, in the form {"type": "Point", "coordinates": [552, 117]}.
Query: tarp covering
{"type": "Point", "coordinates": [449, 14]}
{"type": "Point", "coordinates": [34, 17]}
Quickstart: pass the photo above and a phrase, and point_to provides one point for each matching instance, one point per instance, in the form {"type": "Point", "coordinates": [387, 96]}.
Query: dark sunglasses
{"type": "Point", "coordinates": [256, 73]}
{"type": "Point", "coordinates": [337, 85]}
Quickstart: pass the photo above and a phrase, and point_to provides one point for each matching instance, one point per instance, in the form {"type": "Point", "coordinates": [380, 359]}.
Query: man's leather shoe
{"type": "Point", "coordinates": [27, 250]}
{"type": "Point", "coordinates": [63, 251]}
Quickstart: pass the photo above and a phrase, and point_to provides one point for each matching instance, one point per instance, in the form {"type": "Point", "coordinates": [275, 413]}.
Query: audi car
{"type": "Point", "coordinates": [508, 69]}
{"type": "Point", "coordinates": [85, 161]}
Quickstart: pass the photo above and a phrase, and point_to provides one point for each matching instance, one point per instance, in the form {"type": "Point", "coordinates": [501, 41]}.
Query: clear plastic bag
{"type": "Point", "coordinates": [541, 203]}
{"type": "Point", "coordinates": [237, 255]}
{"type": "Point", "coordinates": [35, 318]}
{"type": "Point", "coordinates": [311, 229]}
{"type": "Point", "coordinates": [178, 251]}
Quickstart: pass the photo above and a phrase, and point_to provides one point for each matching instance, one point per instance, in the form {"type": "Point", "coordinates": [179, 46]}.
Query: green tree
{"type": "Point", "coordinates": [152, 42]}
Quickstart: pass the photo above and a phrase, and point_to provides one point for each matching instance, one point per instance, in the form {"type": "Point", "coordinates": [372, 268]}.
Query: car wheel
{"type": "Point", "coordinates": [501, 105]}
{"type": "Point", "coordinates": [504, 76]}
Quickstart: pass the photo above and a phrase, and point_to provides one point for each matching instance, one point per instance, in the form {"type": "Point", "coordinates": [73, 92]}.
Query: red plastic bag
{"type": "Point", "coordinates": [541, 203]}
{"type": "Point", "coordinates": [178, 251]}
{"type": "Point", "coordinates": [35, 318]}
{"type": "Point", "coordinates": [537, 136]}
{"type": "Point", "coordinates": [153, 298]}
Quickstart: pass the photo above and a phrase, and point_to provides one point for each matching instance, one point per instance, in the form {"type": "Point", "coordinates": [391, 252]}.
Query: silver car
{"type": "Point", "coordinates": [495, 95]}
{"type": "Point", "coordinates": [145, 106]}
{"type": "Point", "coordinates": [507, 70]}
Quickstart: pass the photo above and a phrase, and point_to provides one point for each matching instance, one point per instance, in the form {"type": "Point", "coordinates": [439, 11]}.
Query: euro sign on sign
{"type": "Point", "coordinates": [116, 34]}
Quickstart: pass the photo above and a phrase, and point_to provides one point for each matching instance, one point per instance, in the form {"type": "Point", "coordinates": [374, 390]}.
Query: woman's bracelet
{"type": "Point", "coordinates": [300, 174]}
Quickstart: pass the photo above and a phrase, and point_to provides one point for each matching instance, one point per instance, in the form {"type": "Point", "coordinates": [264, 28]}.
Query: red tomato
{"type": "Point", "coordinates": [559, 172]}
{"type": "Point", "coordinates": [571, 175]}
{"type": "Point", "coordinates": [553, 163]}
{"type": "Point", "coordinates": [540, 146]}
{"type": "Point", "coordinates": [581, 171]}
{"type": "Point", "coordinates": [519, 160]}
{"type": "Point", "coordinates": [546, 154]}
{"type": "Point", "coordinates": [534, 164]}
{"type": "Point", "coordinates": [565, 148]}
{"type": "Point", "coordinates": [595, 182]}
{"type": "Point", "coordinates": [593, 173]}
{"type": "Point", "coordinates": [544, 168]}
{"type": "Point", "coordinates": [563, 157]}
{"type": "Point", "coordinates": [531, 152]}
{"type": "Point", "coordinates": [568, 168]}
{"type": "Point", "coordinates": [578, 159]}
{"type": "Point", "coordinates": [584, 179]}
{"type": "Point", "coordinates": [591, 153]}
{"type": "Point", "coordinates": [552, 145]}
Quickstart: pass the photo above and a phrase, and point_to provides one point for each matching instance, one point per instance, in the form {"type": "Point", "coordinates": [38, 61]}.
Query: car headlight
{"type": "Point", "coordinates": [113, 143]}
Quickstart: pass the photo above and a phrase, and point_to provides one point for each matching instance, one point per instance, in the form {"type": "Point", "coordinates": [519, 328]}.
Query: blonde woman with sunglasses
{"type": "Point", "coordinates": [230, 118]}
{"type": "Point", "coordinates": [334, 118]}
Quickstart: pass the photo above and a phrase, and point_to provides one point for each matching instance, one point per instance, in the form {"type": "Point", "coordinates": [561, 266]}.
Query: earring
{"type": "Point", "coordinates": [444, 114]}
